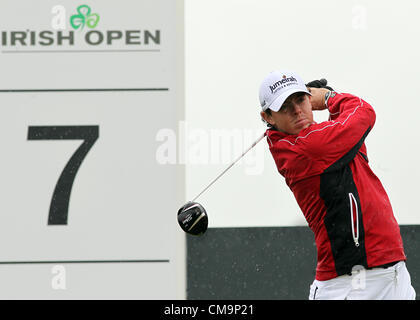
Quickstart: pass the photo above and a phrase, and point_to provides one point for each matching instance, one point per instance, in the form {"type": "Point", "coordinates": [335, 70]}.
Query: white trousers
{"type": "Point", "coordinates": [392, 283]}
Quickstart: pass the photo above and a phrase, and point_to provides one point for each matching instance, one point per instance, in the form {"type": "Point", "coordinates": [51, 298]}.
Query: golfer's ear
{"type": "Point", "coordinates": [266, 117]}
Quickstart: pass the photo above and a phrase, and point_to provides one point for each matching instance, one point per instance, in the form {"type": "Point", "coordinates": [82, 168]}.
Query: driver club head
{"type": "Point", "coordinates": [192, 218]}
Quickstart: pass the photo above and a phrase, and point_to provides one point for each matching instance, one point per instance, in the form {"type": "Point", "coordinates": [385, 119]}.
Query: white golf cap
{"type": "Point", "coordinates": [277, 87]}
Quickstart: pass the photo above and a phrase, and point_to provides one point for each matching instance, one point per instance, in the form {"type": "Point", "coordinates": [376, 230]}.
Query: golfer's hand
{"type": "Point", "coordinates": [318, 98]}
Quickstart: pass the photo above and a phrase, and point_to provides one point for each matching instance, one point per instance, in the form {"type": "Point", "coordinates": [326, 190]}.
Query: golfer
{"type": "Point", "coordinates": [360, 252]}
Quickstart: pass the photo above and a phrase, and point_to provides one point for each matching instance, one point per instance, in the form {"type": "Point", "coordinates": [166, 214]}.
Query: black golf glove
{"type": "Point", "coordinates": [321, 83]}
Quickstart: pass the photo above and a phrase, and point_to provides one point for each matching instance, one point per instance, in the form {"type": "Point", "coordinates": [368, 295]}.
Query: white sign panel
{"type": "Point", "coordinates": [86, 210]}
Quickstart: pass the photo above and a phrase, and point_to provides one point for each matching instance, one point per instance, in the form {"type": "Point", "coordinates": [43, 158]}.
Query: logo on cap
{"type": "Point", "coordinates": [279, 84]}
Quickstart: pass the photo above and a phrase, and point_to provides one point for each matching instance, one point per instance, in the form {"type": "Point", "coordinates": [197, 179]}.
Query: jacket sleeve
{"type": "Point", "coordinates": [334, 143]}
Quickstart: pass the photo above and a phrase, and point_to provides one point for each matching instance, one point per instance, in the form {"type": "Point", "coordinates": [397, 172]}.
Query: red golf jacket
{"type": "Point", "coordinates": [345, 205]}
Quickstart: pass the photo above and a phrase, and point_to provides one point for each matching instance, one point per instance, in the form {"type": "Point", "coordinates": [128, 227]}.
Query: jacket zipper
{"type": "Point", "coordinates": [354, 233]}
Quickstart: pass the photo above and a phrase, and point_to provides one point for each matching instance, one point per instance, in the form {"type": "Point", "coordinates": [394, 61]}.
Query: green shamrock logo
{"type": "Point", "coordinates": [84, 17]}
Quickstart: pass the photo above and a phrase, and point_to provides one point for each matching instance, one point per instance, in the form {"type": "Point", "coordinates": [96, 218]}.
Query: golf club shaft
{"type": "Point", "coordinates": [230, 166]}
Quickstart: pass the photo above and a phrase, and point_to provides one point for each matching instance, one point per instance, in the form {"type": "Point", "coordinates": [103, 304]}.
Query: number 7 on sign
{"type": "Point", "coordinates": [61, 196]}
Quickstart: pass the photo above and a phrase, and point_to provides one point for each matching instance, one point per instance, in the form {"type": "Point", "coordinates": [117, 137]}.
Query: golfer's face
{"type": "Point", "coordinates": [294, 115]}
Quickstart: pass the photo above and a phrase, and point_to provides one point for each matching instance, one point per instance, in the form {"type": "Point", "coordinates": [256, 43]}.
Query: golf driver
{"type": "Point", "coordinates": [192, 217]}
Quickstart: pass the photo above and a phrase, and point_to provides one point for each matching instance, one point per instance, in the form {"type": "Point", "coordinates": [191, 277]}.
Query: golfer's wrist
{"type": "Point", "coordinates": [319, 96]}
{"type": "Point", "coordinates": [326, 97]}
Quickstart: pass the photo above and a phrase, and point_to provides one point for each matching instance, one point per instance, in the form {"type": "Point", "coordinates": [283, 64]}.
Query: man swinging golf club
{"type": "Point", "coordinates": [326, 167]}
